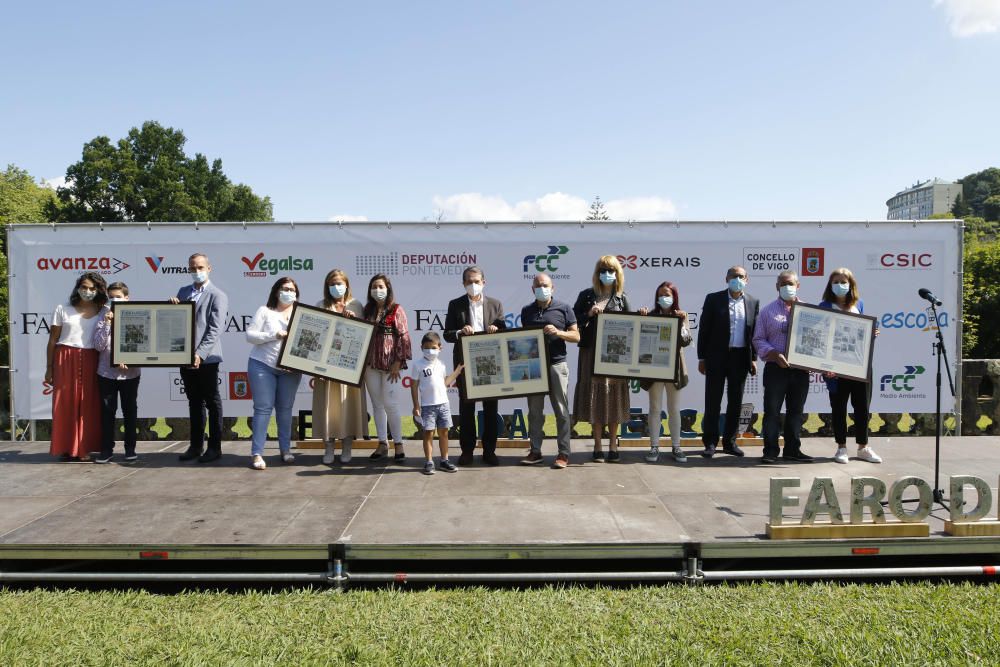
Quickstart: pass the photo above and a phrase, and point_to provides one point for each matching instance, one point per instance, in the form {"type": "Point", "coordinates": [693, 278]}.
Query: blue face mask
{"type": "Point", "coordinates": [737, 284]}
{"type": "Point", "coordinates": [840, 289]}
{"type": "Point", "coordinates": [665, 301]}
{"type": "Point", "coordinates": [199, 276]}
{"type": "Point", "coordinates": [543, 293]}
{"type": "Point", "coordinates": [607, 277]}
{"type": "Point", "coordinates": [788, 292]}
{"type": "Point", "coordinates": [286, 296]}
{"type": "Point", "coordinates": [337, 290]}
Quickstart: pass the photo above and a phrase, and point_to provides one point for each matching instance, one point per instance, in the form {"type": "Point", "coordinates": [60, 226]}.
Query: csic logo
{"type": "Point", "coordinates": [101, 265]}
{"type": "Point", "coordinates": [911, 261]}
{"type": "Point", "coordinates": [239, 386]}
{"type": "Point", "coordinates": [812, 261]}
{"type": "Point", "coordinates": [901, 381]}
{"type": "Point", "coordinates": [157, 266]}
{"type": "Point", "coordinates": [922, 320]}
{"type": "Point", "coordinates": [636, 262]}
{"type": "Point", "coordinates": [260, 266]}
{"type": "Point", "coordinates": [545, 263]}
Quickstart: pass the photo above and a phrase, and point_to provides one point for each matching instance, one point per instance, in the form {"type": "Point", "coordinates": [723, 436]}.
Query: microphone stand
{"type": "Point", "coordinates": [939, 349]}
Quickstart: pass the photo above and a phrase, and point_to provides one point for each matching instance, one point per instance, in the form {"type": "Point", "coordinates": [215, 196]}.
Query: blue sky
{"type": "Point", "coordinates": [401, 110]}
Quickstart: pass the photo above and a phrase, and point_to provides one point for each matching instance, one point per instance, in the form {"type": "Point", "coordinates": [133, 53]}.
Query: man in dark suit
{"type": "Point", "coordinates": [472, 313]}
{"type": "Point", "coordinates": [201, 379]}
{"type": "Point", "coordinates": [725, 356]}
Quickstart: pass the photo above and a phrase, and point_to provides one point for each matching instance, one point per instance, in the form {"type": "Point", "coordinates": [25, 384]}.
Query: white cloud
{"type": "Point", "coordinates": [971, 17]}
{"type": "Point", "coordinates": [551, 206]}
{"type": "Point", "coordinates": [348, 218]}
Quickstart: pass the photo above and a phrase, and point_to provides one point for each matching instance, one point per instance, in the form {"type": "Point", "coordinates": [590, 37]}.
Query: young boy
{"type": "Point", "coordinates": [112, 382]}
{"type": "Point", "coordinates": [430, 400]}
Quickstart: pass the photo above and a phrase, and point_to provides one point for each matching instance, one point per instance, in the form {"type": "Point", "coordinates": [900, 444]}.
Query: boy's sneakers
{"type": "Point", "coordinates": [868, 454]}
{"type": "Point", "coordinates": [841, 455]}
{"type": "Point", "coordinates": [429, 468]}
{"type": "Point", "coordinates": [288, 457]}
{"type": "Point", "coordinates": [447, 465]}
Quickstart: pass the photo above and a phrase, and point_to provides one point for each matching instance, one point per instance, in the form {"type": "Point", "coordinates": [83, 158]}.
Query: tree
{"type": "Point", "coordinates": [146, 177]}
{"type": "Point", "coordinates": [597, 210]}
{"type": "Point", "coordinates": [960, 209]}
{"type": "Point", "coordinates": [979, 187]}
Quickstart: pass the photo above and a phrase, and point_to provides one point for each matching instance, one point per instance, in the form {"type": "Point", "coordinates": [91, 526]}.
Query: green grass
{"type": "Point", "coordinates": [751, 624]}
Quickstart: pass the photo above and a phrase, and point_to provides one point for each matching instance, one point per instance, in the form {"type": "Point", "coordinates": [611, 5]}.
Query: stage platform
{"type": "Point", "coordinates": [369, 519]}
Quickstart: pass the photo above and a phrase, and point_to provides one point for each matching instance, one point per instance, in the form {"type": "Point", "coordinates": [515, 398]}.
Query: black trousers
{"type": "Point", "coordinates": [859, 394]}
{"type": "Point", "coordinates": [201, 386]}
{"type": "Point", "coordinates": [732, 376]}
{"type": "Point", "coordinates": [791, 387]}
{"type": "Point", "coordinates": [467, 426]}
{"type": "Point", "coordinates": [110, 390]}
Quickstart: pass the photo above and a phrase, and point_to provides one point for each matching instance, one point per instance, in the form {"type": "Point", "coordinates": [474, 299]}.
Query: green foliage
{"type": "Point", "coordinates": [762, 624]}
{"type": "Point", "coordinates": [960, 209]}
{"type": "Point", "coordinates": [942, 216]}
{"type": "Point", "coordinates": [146, 177]}
{"type": "Point", "coordinates": [981, 302]}
{"type": "Point", "coordinates": [978, 191]}
{"type": "Point", "coordinates": [597, 210]}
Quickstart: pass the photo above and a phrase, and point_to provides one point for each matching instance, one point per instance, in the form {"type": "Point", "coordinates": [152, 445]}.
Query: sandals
{"type": "Point", "coordinates": [400, 454]}
{"type": "Point", "coordinates": [380, 451]}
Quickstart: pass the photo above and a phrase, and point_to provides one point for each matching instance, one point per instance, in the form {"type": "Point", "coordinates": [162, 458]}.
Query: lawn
{"type": "Point", "coordinates": [751, 624]}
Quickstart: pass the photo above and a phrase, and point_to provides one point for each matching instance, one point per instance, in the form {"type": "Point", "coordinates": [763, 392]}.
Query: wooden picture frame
{"type": "Point", "coordinates": [505, 364]}
{"type": "Point", "coordinates": [152, 333]}
{"type": "Point", "coordinates": [823, 339]}
{"type": "Point", "coordinates": [326, 344]}
{"type": "Point", "coordinates": [645, 347]}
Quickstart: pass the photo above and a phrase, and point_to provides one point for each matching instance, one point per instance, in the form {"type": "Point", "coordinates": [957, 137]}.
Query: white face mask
{"type": "Point", "coordinates": [431, 353]}
{"type": "Point", "coordinates": [337, 290]}
{"type": "Point", "coordinates": [199, 276]}
{"type": "Point", "coordinates": [379, 293]}
{"type": "Point", "coordinates": [286, 296]}
{"type": "Point", "coordinates": [87, 294]}
{"type": "Point", "coordinates": [665, 301]}
{"type": "Point", "coordinates": [840, 289]}
{"type": "Point", "coordinates": [543, 293]}
{"type": "Point", "coordinates": [474, 289]}
{"type": "Point", "coordinates": [788, 292]}
{"type": "Point", "coordinates": [118, 299]}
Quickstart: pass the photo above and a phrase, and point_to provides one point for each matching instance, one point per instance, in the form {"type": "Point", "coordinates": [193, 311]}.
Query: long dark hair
{"type": "Point", "coordinates": [100, 285]}
{"type": "Point", "coordinates": [272, 298]}
{"type": "Point", "coordinates": [371, 306]}
{"type": "Point", "coordinates": [656, 298]}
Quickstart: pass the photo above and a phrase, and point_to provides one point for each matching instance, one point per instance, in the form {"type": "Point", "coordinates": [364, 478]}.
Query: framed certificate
{"type": "Point", "coordinates": [504, 364]}
{"type": "Point", "coordinates": [152, 333]}
{"type": "Point", "coordinates": [820, 339]}
{"type": "Point", "coordinates": [326, 344]}
{"type": "Point", "coordinates": [629, 345]}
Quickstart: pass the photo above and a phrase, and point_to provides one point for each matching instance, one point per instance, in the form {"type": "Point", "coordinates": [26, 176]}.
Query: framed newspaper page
{"type": "Point", "coordinates": [629, 345]}
{"type": "Point", "coordinates": [820, 339]}
{"type": "Point", "coordinates": [505, 364]}
{"type": "Point", "coordinates": [152, 333]}
{"type": "Point", "coordinates": [326, 344]}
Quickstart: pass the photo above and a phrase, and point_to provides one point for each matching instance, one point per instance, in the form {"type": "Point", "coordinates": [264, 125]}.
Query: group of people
{"type": "Point", "coordinates": [734, 332]}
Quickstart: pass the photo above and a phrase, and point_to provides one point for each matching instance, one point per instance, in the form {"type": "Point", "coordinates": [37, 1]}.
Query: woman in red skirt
{"type": "Point", "coordinates": [71, 369]}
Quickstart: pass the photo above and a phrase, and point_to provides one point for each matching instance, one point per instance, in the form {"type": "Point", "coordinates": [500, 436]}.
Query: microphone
{"type": "Point", "coordinates": [927, 294]}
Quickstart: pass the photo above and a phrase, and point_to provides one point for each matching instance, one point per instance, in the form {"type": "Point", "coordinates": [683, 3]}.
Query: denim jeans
{"type": "Point", "coordinates": [272, 389]}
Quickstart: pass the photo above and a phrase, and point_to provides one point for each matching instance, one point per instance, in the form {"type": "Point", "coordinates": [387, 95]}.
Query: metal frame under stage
{"type": "Point", "coordinates": [344, 565]}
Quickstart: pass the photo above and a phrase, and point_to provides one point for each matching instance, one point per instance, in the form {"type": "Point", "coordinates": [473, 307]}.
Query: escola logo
{"type": "Point", "coordinates": [547, 262]}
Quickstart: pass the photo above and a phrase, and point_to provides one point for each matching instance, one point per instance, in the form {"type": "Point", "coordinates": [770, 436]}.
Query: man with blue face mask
{"type": "Point", "coordinates": [201, 380]}
{"type": "Point", "coordinates": [782, 384]}
{"type": "Point", "coordinates": [559, 327]}
{"type": "Point", "coordinates": [725, 356]}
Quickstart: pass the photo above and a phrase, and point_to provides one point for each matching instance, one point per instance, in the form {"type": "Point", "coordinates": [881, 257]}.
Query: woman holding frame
{"type": "Point", "coordinates": [841, 293]}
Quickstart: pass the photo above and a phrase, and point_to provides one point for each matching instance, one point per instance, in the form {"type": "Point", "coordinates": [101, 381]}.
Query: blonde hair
{"type": "Point", "coordinates": [852, 294]}
{"type": "Point", "coordinates": [329, 300]}
{"type": "Point", "coordinates": [608, 263]}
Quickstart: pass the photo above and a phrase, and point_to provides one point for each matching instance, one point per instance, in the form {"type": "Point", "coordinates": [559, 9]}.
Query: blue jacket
{"type": "Point", "coordinates": [831, 383]}
{"type": "Point", "coordinates": [210, 312]}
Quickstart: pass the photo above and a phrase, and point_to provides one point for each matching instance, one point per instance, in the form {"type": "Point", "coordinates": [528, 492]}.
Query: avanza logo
{"type": "Point", "coordinates": [156, 265]}
{"type": "Point", "coordinates": [261, 266]}
{"type": "Point", "coordinates": [103, 265]}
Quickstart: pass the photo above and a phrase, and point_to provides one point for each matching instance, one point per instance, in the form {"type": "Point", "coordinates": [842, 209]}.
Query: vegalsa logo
{"type": "Point", "coordinates": [156, 265]}
{"type": "Point", "coordinates": [102, 265]}
{"type": "Point", "coordinates": [639, 262]}
{"type": "Point", "coordinates": [901, 381]}
{"type": "Point", "coordinates": [261, 266]}
{"type": "Point", "coordinates": [545, 262]}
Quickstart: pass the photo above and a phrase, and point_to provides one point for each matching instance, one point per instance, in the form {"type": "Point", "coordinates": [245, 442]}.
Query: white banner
{"type": "Point", "coordinates": [891, 260]}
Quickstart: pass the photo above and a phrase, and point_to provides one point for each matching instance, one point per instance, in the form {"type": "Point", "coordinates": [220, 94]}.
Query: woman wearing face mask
{"type": "Point", "coordinates": [390, 349]}
{"type": "Point", "coordinates": [273, 389]}
{"type": "Point", "coordinates": [338, 409]}
{"type": "Point", "coordinates": [600, 401]}
{"type": "Point", "coordinates": [842, 294]}
{"type": "Point", "coordinates": [667, 298]}
{"type": "Point", "coordinates": [71, 370]}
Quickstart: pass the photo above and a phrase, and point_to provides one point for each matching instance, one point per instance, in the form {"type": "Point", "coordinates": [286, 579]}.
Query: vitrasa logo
{"type": "Point", "coordinates": [546, 262]}
{"type": "Point", "coordinates": [261, 266]}
{"type": "Point", "coordinates": [901, 385]}
{"type": "Point", "coordinates": [102, 265]}
{"type": "Point", "coordinates": [157, 266]}
{"type": "Point", "coordinates": [636, 262]}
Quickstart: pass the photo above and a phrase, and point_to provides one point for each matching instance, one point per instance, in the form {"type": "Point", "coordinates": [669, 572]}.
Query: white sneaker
{"type": "Point", "coordinates": [328, 455]}
{"type": "Point", "coordinates": [288, 457]}
{"type": "Point", "coordinates": [841, 455]}
{"type": "Point", "coordinates": [345, 450]}
{"type": "Point", "coordinates": [868, 454]}
{"type": "Point", "coordinates": [653, 455]}
{"type": "Point", "coordinates": [258, 462]}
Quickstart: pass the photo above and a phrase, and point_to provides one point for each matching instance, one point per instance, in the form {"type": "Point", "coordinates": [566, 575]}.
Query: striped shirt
{"type": "Point", "coordinates": [771, 333]}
